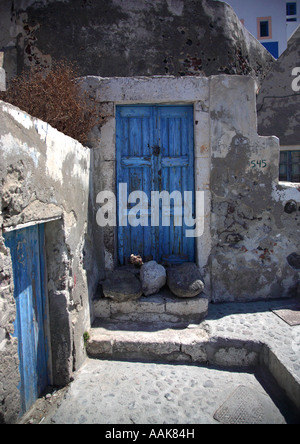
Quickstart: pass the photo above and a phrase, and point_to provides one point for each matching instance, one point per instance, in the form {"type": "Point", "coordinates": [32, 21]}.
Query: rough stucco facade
{"type": "Point", "coordinates": [130, 38]}
{"type": "Point", "coordinates": [250, 230]}
{"type": "Point", "coordinates": [253, 230]}
{"type": "Point", "coordinates": [45, 179]}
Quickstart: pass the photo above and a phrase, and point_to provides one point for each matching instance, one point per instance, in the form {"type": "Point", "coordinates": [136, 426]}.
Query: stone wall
{"type": "Point", "coordinates": [9, 361]}
{"type": "Point", "coordinates": [250, 246]}
{"type": "Point", "coordinates": [45, 179]}
{"type": "Point", "coordinates": [255, 221]}
{"type": "Point", "coordinates": [130, 38]}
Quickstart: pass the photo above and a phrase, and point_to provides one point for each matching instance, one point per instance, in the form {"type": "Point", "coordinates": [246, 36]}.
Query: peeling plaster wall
{"type": "Point", "coordinates": [130, 38]}
{"type": "Point", "coordinates": [253, 229]}
{"type": "Point", "coordinates": [44, 177]}
{"type": "Point", "coordinates": [9, 361]}
{"type": "Point", "coordinates": [250, 247]}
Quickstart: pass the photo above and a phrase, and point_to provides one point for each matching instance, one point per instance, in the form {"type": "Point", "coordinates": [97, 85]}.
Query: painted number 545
{"type": "Point", "coordinates": [258, 163]}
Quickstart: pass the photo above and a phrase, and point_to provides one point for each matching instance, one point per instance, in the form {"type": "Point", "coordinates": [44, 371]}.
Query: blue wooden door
{"type": "Point", "coordinates": [155, 152]}
{"type": "Point", "coordinates": [27, 252]}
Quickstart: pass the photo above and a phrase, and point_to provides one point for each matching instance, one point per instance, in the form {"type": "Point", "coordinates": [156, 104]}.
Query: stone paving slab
{"type": "Point", "coordinates": [247, 406]}
{"type": "Point", "coordinates": [290, 314]}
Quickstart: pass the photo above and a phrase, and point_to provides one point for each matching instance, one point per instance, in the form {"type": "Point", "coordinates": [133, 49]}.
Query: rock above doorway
{"type": "Point", "coordinates": [153, 277]}
{"type": "Point", "coordinates": [185, 280]}
{"type": "Point", "coordinates": [122, 285]}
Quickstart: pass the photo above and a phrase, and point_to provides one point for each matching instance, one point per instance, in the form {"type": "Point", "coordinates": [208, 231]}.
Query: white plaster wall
{"type": "Point", "coordinates": [44, 177]}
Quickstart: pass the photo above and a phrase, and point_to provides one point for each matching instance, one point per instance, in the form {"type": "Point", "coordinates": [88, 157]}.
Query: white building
{"type": "Point", "coordinates": [272, 22]}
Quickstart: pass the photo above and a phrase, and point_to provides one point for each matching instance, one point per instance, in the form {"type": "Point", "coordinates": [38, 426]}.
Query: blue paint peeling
{"type": "Point", "coordinates": [155, 152]}
{"type": "Point", "coordinates": [27, 252]}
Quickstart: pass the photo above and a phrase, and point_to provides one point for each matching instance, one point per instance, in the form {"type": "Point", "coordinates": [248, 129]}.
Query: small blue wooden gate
{"type": "Point", "coordinates": [27, 252]}
{"type": "Point", "coordinates": [155, 152]}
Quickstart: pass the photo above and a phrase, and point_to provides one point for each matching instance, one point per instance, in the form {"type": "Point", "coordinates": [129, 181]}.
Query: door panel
{"type": "Point", "coordinates": [155, 152]}
{"type": "Point", "coordinates": [27, 252]}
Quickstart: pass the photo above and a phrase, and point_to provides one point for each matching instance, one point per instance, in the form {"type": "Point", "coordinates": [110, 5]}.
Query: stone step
{"type": "Point", "coordinates": [144, 341]}
{"type": "Point", "coordinates": [161, 342]}
{"type": "Point", "coordinates": [163, 307]}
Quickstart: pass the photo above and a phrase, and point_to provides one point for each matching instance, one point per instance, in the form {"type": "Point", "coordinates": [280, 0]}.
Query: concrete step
{"type": "Point", "coordinates": [157, 342]}
{"type": "Point", "coordinates": [163, 307]}
{"type": "Point", "coordinates": [161, 342]}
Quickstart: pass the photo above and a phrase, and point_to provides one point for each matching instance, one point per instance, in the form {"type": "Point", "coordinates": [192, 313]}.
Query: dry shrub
{"type": "Point", "coordinates": [55, 97]}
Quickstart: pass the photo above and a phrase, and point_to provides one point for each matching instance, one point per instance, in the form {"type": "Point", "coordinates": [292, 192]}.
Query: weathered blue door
{"type": "Point", "coordinates": [27, 252]}
{"type": "Point", "coordinates": [155, 152]}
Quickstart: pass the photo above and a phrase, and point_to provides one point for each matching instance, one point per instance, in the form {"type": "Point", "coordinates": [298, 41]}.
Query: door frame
{"type": "Point", "coordinates": [164, 90]}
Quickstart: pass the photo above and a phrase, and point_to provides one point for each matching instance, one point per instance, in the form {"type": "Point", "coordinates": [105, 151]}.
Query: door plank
{"type": "Point", "coordinates": [26, 247]}
{"type": "Point", "coordinates": [155, 152]}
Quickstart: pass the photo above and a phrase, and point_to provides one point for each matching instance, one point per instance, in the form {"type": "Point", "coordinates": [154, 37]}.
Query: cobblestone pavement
{"type": "Point", "coordinates": [256, 322]}
{"type": "Point", "coordinates": [139, 393]}
{"type": "Point", "coordinates": [111, 392]}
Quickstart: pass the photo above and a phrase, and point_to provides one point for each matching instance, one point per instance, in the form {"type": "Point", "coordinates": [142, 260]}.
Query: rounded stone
{"type": "Point", "coordinates": [121, 286]}
{"type": "Point", "coordinates": [185, 280]}
{"type": "Point", "coordinates": [153, 277]}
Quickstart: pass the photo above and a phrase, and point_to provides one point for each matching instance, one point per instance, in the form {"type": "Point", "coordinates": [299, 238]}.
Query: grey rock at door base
{"type": "Point", "coordinates": [153, 277]}
{"type": "Point", "coordinates": [185, 280]}
{"type": "Point", "coordinates": [122, 286]}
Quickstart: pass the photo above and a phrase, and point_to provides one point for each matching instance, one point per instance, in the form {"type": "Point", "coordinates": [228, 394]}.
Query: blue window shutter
{"type": "Point", "coordinates": [272, 47]}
